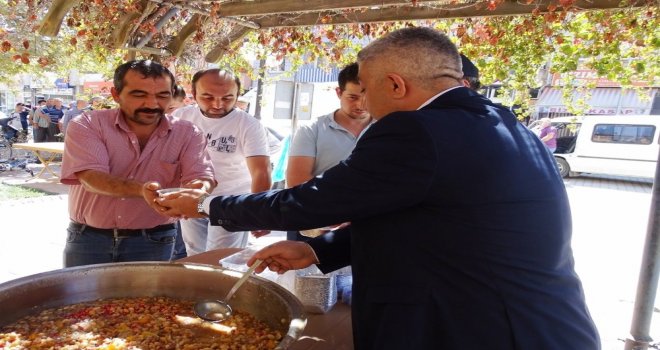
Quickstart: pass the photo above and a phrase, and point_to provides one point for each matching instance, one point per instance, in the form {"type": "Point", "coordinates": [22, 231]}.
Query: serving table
{"type": "Point", "coordinates": [331, 330]}
{"type": "Point", "coordinates": [39, 149]}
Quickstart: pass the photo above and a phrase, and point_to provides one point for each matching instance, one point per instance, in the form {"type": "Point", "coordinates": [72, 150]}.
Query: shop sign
{"type": "Point", "coordinates": [586, 76]}
{"type": "Point", "coordinates": [62, 83]}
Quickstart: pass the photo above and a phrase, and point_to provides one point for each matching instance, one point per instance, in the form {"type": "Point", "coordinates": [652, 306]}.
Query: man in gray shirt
{"type": "Point", "coordinates": [79, 108]}
{"type": "Point", "coordinates": [321, 145]}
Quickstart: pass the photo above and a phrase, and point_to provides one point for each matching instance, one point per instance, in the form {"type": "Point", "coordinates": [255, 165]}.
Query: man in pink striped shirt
{"type": "Point", "coordinates": [115, 161]}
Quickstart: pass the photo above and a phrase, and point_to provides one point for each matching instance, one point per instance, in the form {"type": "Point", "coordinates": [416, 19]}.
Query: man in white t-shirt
{"type": "Point", "coordinates": [238, 146]}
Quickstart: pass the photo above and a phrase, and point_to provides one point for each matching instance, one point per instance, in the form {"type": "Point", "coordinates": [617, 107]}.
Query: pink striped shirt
{"type": "Point", "coordinates": [175, 154]}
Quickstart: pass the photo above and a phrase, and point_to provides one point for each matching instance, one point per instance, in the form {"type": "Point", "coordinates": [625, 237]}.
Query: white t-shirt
{"type": "Point", "coordinates": [15, 122]}
{"type": "Point", "coordinates": [230, 140]}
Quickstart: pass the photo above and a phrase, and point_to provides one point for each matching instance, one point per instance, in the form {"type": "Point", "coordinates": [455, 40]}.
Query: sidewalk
{"type": "Point", "coordinates": [610, 217]}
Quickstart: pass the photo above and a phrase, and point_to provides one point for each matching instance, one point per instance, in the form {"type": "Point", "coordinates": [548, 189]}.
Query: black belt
{"type": "Point", "coordinates": [125, 232]}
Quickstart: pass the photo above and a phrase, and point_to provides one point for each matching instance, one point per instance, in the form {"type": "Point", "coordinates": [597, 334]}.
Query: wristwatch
{"type": "Point", "coordinates": [200, 204]}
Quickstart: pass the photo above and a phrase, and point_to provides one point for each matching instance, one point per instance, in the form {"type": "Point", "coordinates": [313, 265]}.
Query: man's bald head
{"type": "Point", "coordinates": [220, 74]}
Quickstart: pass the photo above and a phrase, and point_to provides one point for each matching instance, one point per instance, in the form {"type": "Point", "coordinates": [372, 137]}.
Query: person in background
{"type": "Point", "coordinates": [24, 116]}
{"type": "Point", "coordinates": [12, 124]}
{"type": "Point", "coordinates": [116, 159]}
{"type": "Point", "coordinates": [177, 99]}
{"type": "Point", "coordinates": [460, 234]}
{"type": "Point", "coordinates": [470, 74]}
{"type": "Point", "coordinates": [41, 121]}
{"type": "Point", "coordinates": [548, 134]}
{"type": "Point", "coordinates": [321, 145]}
{"type": "Point", "coordinates": [95, 103]}
{"type": "Point", "coordinates": [238, 146]}
{"type": "Point", "coordinates": [55, 113]}
{"type": "Point", "coordinates": [78, 109]}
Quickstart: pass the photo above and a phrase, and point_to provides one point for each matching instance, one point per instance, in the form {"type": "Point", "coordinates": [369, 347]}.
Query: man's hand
{"type": "Point", "coordinates": [201, 184]}
{"type": "Point", "coordinates": [150, 195]}
{"type": "Point", "coordinates": [182, 204]}
{"type": "Point", "coordinates": [283, 256]}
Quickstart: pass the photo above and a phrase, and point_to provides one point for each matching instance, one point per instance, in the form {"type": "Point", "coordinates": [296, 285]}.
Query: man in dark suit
{"type": "Point", "coordinates": [460, 223]}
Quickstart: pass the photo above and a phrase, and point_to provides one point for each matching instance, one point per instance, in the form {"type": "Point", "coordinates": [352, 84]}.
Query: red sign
{"type": "Point", "coordinates": [98, 87]}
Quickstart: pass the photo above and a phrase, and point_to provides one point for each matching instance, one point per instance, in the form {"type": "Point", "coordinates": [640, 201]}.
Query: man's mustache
{"type": "Point", "coordinates": [149, 110]}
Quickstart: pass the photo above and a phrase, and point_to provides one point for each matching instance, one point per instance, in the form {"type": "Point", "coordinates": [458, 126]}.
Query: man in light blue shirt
{"type": "Point", "coordinates": [321, 145]}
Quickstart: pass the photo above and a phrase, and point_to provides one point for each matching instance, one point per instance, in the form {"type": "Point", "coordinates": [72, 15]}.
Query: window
{"type": "Point", "coordinates": [620, 133]}
{"type": "Point", "coordinates": [565, 129]}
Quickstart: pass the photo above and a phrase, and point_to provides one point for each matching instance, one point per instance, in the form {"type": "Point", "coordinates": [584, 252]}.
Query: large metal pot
{"type": "Point", "coordinates": [262, 298]}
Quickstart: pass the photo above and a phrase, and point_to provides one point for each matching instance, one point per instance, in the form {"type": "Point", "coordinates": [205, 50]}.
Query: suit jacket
{"type": "Point", "coordinates": [460, 234]}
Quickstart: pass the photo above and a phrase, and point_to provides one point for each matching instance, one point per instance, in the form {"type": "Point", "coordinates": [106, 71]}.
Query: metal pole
{"type": "Point", "coordinates": [294, 107]}
{"type": "Point", "coordinates": [647, 284]}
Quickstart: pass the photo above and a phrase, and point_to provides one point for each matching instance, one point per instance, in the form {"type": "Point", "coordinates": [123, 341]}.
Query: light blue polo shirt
{"type": "Point", "coordinates": [325, 140]}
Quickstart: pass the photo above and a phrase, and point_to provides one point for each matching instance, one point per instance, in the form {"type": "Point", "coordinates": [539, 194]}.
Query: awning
{"type": "Point", "coordinates": [603, 101]}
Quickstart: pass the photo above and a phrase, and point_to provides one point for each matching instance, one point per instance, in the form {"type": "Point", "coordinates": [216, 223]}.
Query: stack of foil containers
{"type": "Point", "coordinates": [316, 291]}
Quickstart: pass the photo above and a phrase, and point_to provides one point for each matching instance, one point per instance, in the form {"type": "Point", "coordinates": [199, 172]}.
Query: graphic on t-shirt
{"type": "Point", "coordinates": [223, 144]}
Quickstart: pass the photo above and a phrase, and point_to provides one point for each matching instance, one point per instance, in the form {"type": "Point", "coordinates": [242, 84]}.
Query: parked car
{"type": "Point", "coordinates": [625, 145]}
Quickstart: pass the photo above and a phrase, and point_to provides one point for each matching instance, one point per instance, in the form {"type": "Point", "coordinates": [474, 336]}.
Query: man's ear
{"type": "Point", "coordinates": [115, 94]}
{"type": "Point", "coordinates": [338, 91]}
{"type": "Point", "coordinates": [397, 85]}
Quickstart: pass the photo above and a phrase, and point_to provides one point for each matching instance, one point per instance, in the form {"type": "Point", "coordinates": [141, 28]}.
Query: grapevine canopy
{"type": "Point", "coordinates": [510, 41]}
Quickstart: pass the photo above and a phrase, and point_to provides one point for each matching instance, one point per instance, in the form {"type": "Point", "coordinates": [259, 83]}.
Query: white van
{"type": "Point", "coordinates": [623, 145]}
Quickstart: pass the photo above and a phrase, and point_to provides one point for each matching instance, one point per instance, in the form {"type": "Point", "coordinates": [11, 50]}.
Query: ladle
{"type": "Point", "coordinates": [218, 310]}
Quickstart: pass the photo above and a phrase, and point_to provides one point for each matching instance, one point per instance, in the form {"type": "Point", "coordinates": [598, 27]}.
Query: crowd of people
{"type": "Point", "coordinates": [450, 212]}
{"type": "Point", "coordinates": [47, 120]}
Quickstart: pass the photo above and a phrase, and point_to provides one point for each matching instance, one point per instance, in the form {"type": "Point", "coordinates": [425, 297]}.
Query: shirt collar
{"type": "Point", "coordinates": [437, 95]}
{"type": "Point", "coordinates": [333, 123]}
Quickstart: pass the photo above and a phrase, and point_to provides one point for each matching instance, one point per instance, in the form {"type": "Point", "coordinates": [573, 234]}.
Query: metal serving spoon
{"type": "Point", "coordinates": [218, 310]}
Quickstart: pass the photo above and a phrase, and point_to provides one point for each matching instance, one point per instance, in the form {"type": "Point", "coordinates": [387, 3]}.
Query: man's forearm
{"type": "Point", "coordinates": [299, 170]}
{"type": "Point", "coordinates": [261, 182]}
{"type": "Point", "coordinates": [297, 179]}
{"type": "Point", "coordinates": [259, 168]}
{"type": "Point", "coordinates": [109, 185]}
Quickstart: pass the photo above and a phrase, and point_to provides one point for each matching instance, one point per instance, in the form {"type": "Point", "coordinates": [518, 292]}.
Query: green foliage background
{"type": "Point", "coordinates": [622, 45]}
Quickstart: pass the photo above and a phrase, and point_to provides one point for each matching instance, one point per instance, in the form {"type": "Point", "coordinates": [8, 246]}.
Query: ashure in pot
{"type": "Point", "coordinates": [264, 299]}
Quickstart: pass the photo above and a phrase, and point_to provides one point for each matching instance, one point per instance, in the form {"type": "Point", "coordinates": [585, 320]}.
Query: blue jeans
{"type": "Point", "coordinates": [201, 237]}
{"type": "Point", "coordinates": [179, 246]}
{"type": "Point", "coordinates": [86, 245]}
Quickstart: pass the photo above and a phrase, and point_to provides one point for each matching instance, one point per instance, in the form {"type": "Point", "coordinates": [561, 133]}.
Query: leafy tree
{"type": "Point", "coordinates": [23, 50]}
{"type": "Point", "coordinates": [622, 45]}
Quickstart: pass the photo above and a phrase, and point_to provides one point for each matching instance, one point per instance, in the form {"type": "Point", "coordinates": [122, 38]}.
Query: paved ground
{"type": "Point", "coordinates": [610, 219]}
